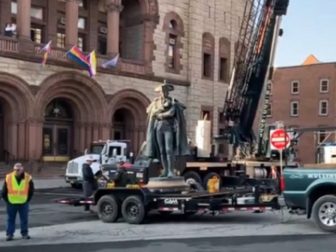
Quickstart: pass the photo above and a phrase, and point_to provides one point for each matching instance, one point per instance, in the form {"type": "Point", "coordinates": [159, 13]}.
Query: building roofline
{"type": "Point", "coordinates": [321, 63]}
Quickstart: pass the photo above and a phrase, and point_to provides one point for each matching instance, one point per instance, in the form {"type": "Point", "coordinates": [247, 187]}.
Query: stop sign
{"type": "Point", "coordinates": [279, 139]}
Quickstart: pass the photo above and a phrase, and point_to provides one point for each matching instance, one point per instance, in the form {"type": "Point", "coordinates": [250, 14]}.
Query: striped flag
{"type": "Point", "coordinates": [112, 62]}
{"type": "Point", "coordinates": [46, 49]}
{"type": "Point", "coordinates": [76, 55]}
{"type": "Point", "coordinates": [93, 63]}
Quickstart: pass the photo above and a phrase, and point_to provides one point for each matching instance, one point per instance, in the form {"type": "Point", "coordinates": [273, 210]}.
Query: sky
{"type": "Point", "coordinates": [309, 28]}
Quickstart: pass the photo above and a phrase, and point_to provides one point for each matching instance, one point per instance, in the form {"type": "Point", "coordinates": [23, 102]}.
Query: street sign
{"type": "Point", "coordinates": [279, 139]}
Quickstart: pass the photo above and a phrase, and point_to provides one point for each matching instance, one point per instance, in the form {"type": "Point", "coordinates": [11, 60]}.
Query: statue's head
{"type": "Point", "coordinates": [164, 89]}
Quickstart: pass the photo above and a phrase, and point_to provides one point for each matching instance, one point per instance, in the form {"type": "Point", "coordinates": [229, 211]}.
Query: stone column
{"type": "Point", "coordinates": [71, 23]}
{"type": "Point", "coordinates": [23, 19]}
{"type": "Point", "coordinates": [26, 45]}
{"type": "Point", "coordinates": [114, 8]}
{"type": "Point", "coordinates": [5, 13]}
{"type": "Point", "coordinates": [93, 25]}
{"type": "Point", "coordinates": [52, 22]}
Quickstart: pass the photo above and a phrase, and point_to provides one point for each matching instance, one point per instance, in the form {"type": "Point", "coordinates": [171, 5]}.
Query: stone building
{"type": "Point", "coordinates": [303, 97]}
{"type": "Point", "coordinates": [52, 113]}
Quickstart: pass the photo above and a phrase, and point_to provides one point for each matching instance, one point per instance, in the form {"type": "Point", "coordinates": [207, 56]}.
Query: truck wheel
{"type": "Point", "coordinates": [324, 213]}
{"type": "Point", "coordinates": [133, 210]}
{"type": "Point", "coordinates": [107, 208]}
{"type": "Point", "coordinates": [209, 176]}
{"type": "Point", "coordinates": [192, 177]}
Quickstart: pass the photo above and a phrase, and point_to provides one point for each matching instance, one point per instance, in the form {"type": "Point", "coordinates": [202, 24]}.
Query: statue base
{"type": "Point", "coordinates": [174, 184]}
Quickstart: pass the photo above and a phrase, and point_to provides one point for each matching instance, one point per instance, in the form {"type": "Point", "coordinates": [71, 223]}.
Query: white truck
{"type": "Point", "coordinates": [104, 152]}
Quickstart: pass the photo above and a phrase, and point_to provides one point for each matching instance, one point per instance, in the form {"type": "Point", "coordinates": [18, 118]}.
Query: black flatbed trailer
{"type": "Point", "coordinates": [135, 204]}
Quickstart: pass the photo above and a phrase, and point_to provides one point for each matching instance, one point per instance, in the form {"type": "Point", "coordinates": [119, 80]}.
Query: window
{"type": "Point", "coordinates": [80, 42]}
{"type": "Point", "coordinates": [295, 87]}
{"type": "Point", "coordinates": [323, 108]}
{"type": "Point", "coordinates": [36, 35]}
{"type": "Point", "coordinates": [324, 86]}
{"type": "Point", "coordinates": [206, 65]}
{"type": "Point", "coordinates": [208, 51]}
{"type": "Point", "coordinates": [174, 30]}
{"type": "Point", "coordinates": [269, 110]}
{"type": "Point", "coordinates": [81, 23]}
{"type": "Point", "coordinates": [36, 12]}
{"type": "Point", "coordinates": [102, 44]}
{"type": "Point", "coordinates": [82, 4]}
{"type": "Point", "coordinates": [224, 59]}
{"type": "Point", "coordinates": [14, 8]}
{"type": "Point", "coordinates": [294, 108]}
{"type": "Point", "coordinates": [205, 115]}
{"type": "Point", "coordinates": [60, 40]}
{"type": "Point", "coordinates": [223, 65]}
{"type": "Point", "coordinates": [172, 51]}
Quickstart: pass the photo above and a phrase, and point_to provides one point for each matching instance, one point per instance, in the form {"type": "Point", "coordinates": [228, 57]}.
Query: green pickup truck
{"type": "Point", "coordinates": [313, 191]}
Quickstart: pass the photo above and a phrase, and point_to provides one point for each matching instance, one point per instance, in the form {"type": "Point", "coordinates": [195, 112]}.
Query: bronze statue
{"type": "Point", "coordinates": [166, 131]}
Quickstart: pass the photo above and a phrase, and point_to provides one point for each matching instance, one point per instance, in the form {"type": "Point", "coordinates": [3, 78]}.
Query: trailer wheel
{"type": "Point", "coordinates": [192, 177]}
{"type": "Point", "coordinates": [324, 213]}
{"type": "Point", "coordinates": [209, 176]}
{"type": "Point", "coordinates": [107, 208]}
{"type": "Point", "coordinates": [133, 210]}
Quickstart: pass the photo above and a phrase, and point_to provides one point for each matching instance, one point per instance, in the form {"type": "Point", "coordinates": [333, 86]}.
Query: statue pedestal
{"type": "Point", "coordinates": [168, 185]}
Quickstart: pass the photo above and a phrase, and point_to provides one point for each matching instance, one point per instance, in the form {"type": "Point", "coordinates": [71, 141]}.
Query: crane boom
{"type": "Point", "coordinates": [252, 67]}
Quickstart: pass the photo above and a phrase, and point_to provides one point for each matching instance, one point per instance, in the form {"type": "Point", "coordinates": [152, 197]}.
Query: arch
{"type": "Point", "coordinates": [17, 94]}
{"type": "Point", "coordinates": [135, 104]}
{"type": "Point", "coordinates": [83, 92]}
{"type": "Point", "coordinates": [125, 95]}
{"type": "Point", "coordinates": [173, 16]}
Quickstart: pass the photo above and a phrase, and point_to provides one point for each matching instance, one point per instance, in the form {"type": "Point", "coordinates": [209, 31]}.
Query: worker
{"type": "Point", "coordinates": [17, 191]}
{"type": "Point", "coordinates": [89, 180]}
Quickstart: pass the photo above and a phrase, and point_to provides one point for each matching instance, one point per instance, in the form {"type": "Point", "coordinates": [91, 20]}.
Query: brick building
{"type": "Point", "coordinates": [52, 113]}
{"type": "Point", "coordinates": [303, 97]}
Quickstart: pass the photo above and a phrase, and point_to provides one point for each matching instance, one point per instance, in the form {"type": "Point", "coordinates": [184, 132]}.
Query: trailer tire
{"type": "Point", "coordinates": [320, 214]}
{"type": "Point", "coordinates": [108, 209]}
{"type": "Point", "coordinates": [209, 176]}
{"type": "Point", "coordinates": [192, 177]}
{"type": "Point", "coordinates": [133, 210]}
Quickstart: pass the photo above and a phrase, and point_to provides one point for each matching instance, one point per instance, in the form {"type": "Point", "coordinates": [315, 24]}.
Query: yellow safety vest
{"type": "Point", "coordinates": [17, 193]}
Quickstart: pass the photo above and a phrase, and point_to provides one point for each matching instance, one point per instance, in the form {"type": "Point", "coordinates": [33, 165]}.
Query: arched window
{"type": "Point", "coordinates": [208, 50]}
{"type": "Point", "coordinates": [173, 27]}
{"type": "Point", "coordinates": [224, 59]}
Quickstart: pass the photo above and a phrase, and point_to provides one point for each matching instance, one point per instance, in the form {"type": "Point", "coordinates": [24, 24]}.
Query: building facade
{"type": "Point", "coordinates": [303, 97]}
{"type": "Point", "coordinates": [53, 113]}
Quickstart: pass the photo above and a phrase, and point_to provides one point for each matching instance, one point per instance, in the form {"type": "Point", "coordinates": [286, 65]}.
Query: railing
{"type": "Point", "coordinates": [8, 44]}
{"type": "Point", "coordinates": [55, 53]}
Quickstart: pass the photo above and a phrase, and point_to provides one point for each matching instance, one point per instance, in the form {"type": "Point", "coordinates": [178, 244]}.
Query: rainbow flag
{"type": "Point", "coordinates": [93, 63]}
{"type": "Point", "coordinates": [76, 55]}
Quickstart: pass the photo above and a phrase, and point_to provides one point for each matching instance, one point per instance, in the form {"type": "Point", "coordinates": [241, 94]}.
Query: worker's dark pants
{"type": "Point", "coordinates": [23, 210]}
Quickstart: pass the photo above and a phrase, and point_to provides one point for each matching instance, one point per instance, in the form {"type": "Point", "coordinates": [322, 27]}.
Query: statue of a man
{"type": "Point", "coordinates": [166, 131]}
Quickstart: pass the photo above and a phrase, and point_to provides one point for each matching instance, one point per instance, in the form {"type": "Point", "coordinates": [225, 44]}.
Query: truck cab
{"type": "Point", "coordinates": [104, 152]}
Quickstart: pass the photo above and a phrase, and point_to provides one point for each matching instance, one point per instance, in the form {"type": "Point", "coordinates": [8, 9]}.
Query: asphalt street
{"type": "Point", "coordinates": [56, 227]}
{"type": "Point", "coordinates": [307, 243]}
{"type": "Point", "coordinates": [45, 212]}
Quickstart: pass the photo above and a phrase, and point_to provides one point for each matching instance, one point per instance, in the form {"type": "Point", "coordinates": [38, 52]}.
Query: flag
{"type": "Point", "coordinates": [46, 49]}
{"type": "Point", "coordinates": [76, 55]}
{"type": "Point", "coordinates": [111, 63]}
{"type": "Point", "coordinates": [93, 63]}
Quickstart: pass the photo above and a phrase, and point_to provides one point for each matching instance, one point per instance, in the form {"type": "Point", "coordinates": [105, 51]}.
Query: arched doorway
{"type": "Point", "coordinates": [123, 124]}
{"type": "Point", "coordinates": [128, 115]}
{"type": "Point", "coordinates": [57, 131]}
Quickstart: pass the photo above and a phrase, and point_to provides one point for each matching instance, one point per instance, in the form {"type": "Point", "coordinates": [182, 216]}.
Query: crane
{"type": "Point", "coordinates": [251, 72]}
